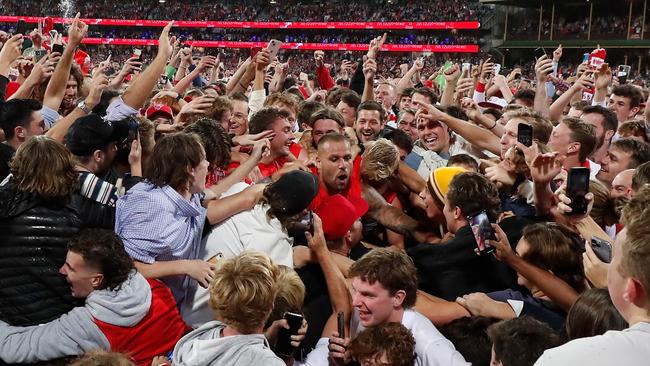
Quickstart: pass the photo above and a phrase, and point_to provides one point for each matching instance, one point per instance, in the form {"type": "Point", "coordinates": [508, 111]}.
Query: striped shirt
{"type": "Point", "coordinates": [97, 189]}
{"type": "Point", "coordinates": [158, 224]}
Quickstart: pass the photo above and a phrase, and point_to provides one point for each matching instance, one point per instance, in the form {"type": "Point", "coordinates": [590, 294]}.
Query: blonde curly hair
{"type": "Point", "coordinates": [380, 160]}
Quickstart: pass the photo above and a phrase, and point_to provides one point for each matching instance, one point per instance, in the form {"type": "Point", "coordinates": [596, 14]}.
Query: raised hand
{"type": "Point", "coordinates": [165, 43]}
{"type": "Point", "coordinates": [10, 51]}
{"type": "Point", "coordinates": [77, 32]}
{"type": "Point", "coordinates": [543, 67]}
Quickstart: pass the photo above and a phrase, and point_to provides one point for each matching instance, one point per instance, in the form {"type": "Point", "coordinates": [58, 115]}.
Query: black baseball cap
{"type": "Point", "coordinates": [90, 133]}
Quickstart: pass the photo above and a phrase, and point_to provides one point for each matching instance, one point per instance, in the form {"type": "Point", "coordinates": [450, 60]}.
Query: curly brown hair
{"type": "Point", "coordinates": [390, 340]}
{"type": "Point", "coordinates": [104, 250]}
{"type": "Point", "coordinates": [215, 140]}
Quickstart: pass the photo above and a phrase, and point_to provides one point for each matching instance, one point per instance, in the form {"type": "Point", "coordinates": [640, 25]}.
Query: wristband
{"type": "Point", "coordinates": [480, 87]}
{"type": "Point", "coordinates": [493, 126]}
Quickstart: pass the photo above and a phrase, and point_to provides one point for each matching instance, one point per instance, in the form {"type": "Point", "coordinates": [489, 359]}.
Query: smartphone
{"type": "Point", "coordinates": [39, 54]}
{"type": "Point", "coordinates": [307, 222]}
{"type": "Point", "coordinates": [273, 47]}
{"type": "Point", "coordinates": [283, 345]}
{"type": "Point", "coordinates": [57, 48]}
{"type": "Point", "coordinates": [525, 134]}
{"type": "Point", "coordinates": [539, 52]}
{"type": "Point", "coordinates": [497, 69]}
{"type": "Point", "coordinates": [602, 248]}
{"type": "Point", "coordinates": [622, 73]}
{"type": "Point", "coordinates": [576, 189]}
{"type": "Point", "coordinates": [138, 54]}
{"type": "Point", "coordinates": [466, 68]}
{"type": "Point", "coordinates": [585, 58]}
{"type": "Point", "coordinates": [482, 229]}
{"type": "Point", "coordinates": [134, 130]}
{"type": "Point", "coordinates": [340, 323]}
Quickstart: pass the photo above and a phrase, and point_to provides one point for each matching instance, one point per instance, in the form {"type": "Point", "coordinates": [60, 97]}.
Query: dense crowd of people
{"type": "Point", "coordinates": [316, 36]}
{"type": "Point", "coordinates": [261, 10]}
{"type": "Point", "coordinates": [180, 207]}
{"type": "Point", "coordinates": [602, 27]}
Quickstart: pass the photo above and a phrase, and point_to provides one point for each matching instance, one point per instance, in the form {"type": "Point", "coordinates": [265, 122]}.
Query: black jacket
{"type": "Point", "coordinates": [33, 238]}
{"type": "Point", "coordinates": [453, 269]}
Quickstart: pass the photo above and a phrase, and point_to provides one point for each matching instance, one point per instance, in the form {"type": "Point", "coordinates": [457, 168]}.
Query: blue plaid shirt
{"type": "Point", "coordinates": [158, 224]}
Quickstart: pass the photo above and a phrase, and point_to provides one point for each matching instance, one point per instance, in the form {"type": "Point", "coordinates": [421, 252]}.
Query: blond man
{"type": "Point", "coordinates": [242, 295]}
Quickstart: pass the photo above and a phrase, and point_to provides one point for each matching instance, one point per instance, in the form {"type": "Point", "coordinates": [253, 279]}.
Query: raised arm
{"type": "Point", "coordinates": [475, 135]}
{"type": "Point", "coordinates": [138, 92]}
{"type": "Point", "coordinates": [336, 285]}
{"type": "Point", "coordinates": [543, 68]}
{"type": "Point", "coordinates": [56, 87]}
{"type": "Point", "coordinates": [557, 290]}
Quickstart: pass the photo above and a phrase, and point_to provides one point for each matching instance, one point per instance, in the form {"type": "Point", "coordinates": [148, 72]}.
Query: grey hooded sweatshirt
{"type": "Point", "coordinates": [76, 333]}
{"type": "Point", "coordinates": [206, 347]}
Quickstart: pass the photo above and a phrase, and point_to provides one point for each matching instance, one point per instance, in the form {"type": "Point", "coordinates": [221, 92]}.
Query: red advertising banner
{"type": "Point", "coordinates": [293, 46]}
{"type": "Point", "coordinates": [269, 25]}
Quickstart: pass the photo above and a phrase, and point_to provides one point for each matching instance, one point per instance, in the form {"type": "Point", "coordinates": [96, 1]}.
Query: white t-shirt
{"type": "Point", "coordinates": [248, 230]}
{"type": "Point", "coordinates": [431, 347]}
{"type": "Point", "coordinates": [629, 347]}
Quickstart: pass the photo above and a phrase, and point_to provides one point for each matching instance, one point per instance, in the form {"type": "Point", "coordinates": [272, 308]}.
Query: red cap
{"type": "Point", "coordinates": [159, 109]}
{"type": "Point", "coordinates": [338, 214]}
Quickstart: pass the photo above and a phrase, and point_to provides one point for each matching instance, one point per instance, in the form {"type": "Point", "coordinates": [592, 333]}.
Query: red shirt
{"type": "Point", "coordinates": [156, 334]}
{"type": "Point", "coordinates": [267, 170]}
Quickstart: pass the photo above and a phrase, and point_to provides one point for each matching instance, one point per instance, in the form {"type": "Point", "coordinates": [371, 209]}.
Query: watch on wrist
{"type": "Point", "coordinates": [82, 105]}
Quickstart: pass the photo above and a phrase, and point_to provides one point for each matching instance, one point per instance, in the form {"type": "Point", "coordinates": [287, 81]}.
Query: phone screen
{"type": "Point", "coordinates": [57, 48]}
{"type": "Point", "coordinates": [577, 188]}
{"type": "Point", "coordinates": [525, 134]}
{"type": "Point", "coordinates": [283, 345]}
{"type": "Point", "coordinates": [482, 229]}
{"type": "Point", "coordinates": [340, 322]}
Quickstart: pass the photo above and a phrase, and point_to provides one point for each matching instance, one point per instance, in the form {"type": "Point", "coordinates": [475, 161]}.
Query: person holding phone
{"type": "Point", "coordinates": [242, 295]}
{"type": "Point", "coordinates": [628, 285]}
{"type": "Point", "coordinates": [548, 247]}
{"type": "Point", "coordinates": [453, 268]}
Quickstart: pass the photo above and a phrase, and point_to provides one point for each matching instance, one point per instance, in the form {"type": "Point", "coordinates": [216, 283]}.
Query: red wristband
{"type": "Point", "coordinates": [480, 87]}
